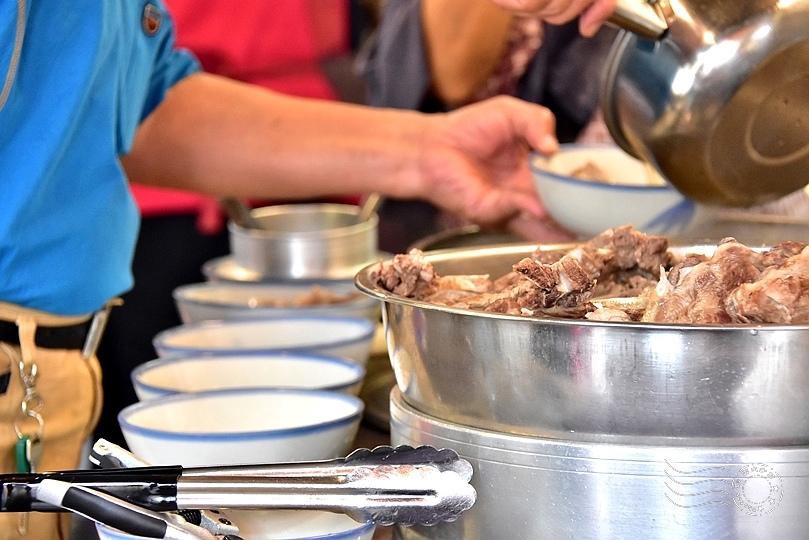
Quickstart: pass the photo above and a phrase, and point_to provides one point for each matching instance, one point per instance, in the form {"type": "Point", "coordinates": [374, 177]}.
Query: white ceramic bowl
{"type": "Point", "coordinates": [206, 301]}
{"type": "Point", "coordinates": [108, 533]}
{"type": "Point", "coordinates": [198, 373]}
{"type": "Point", "coordinates": [299, 524]}
{"type": "Point", "coordinates": [243, 426]}
{"type": "Point", "coordinates": [636, 195]}
{"type": "Point", "coordinates": [279, 524]}
{"type": "Point", "coordinates": [342, 337]}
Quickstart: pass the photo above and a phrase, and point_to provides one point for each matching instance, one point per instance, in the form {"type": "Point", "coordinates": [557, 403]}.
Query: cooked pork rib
{"type": "Point", "coordinates": [564, 284]}
{"type": "Point", "coordinates": [406, 275]}
{"type": "Point", "coordinates": [781, 294]}
{"type": "Point", "coordinates": [728, 287]}
{"type": "Point", "coordinates": [624, 261]}
{"type": "Point", "coordinates": [698, 295]}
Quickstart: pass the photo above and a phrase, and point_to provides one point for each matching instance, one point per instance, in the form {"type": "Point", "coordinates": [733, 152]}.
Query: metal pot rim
{"type": "Point", "coordinates": [369, 225]}
{"type": "Point", "coordinates": [570, 445]}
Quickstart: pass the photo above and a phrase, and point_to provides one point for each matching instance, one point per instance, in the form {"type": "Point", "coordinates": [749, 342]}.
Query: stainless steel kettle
{"type": "Point", "coordinates": [714, 94]}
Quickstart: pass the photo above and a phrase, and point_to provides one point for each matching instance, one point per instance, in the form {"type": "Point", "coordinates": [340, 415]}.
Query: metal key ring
{"type": "Point", "coordinates": [32, 403]}
{"type": "Point", "coordinates": [29, 378]}
{"type": "Point", "coordinates": [29, 414]}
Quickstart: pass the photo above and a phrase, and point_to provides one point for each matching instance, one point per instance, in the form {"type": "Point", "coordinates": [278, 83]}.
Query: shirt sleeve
{"type": "Point", "coordinates": [170, 64]}
{"type": "Point", "coordinates": [148, 64]}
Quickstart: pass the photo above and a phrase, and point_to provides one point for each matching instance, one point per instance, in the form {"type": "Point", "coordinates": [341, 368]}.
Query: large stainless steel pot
{"type": "Point", "coordinates": [531, 375]}
{"type": "Point", "coordinates": [550, 489]}
{"type": "Point", "coordinates": [715, 95]}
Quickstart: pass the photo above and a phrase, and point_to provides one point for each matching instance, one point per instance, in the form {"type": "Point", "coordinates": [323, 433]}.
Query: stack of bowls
{"type": "Point", "coordinates": [254, 391]}
{"type": "Point", "coordinates": [222, 390]}
{"type": "Point", "coordinates": [250, 426]}
{"type": "Point", "coordinates": [252, 378]}
{"type": "Point", "coordinates": [280, 390]}
{"type": "Point", "coordinates": [254, 375]}
{"type": "Point", "coordinates": [290, 261]}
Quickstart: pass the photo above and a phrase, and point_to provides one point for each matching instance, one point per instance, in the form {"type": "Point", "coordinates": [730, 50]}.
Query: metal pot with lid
{"type": "Point", "coordinates": [714, 94]}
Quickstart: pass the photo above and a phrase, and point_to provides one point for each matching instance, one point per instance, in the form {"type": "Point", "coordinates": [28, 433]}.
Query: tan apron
{"type": "Point", "coordinates": [70, 389]}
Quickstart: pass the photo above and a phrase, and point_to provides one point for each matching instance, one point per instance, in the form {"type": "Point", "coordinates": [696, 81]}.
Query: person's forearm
{"type": "Point", "coordinates": [465, 40]}
{"type": "Point", "coordinates": [225, 138]}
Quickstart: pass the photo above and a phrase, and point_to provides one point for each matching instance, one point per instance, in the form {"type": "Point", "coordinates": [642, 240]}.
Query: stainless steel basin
{"type": "Point", "coordinates": [742, 383]}
{"type": "Point", "coordinates": [548, 488]}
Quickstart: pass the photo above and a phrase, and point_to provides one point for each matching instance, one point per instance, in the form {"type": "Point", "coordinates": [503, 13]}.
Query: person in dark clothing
{"type": "Point", "coordinates": [417, 60]}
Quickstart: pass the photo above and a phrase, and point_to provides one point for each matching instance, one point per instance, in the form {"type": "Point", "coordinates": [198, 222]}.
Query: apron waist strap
{"type": "Point", "coordinates": [49, 337]}
{"type": "Point", "coordinates": [56, 331]}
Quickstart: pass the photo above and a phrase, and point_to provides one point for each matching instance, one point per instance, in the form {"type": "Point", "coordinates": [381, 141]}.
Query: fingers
{"type": "Point", "coordinates": [533, 123]}
{"type": "Point", "coordinates": [593, 12]}
{"type": "Point", "coordinates": [592, 19]}
{"type": "Point", "coordinates": [499, 207]}
{"type": "Point", "coordinates": [553, 11]}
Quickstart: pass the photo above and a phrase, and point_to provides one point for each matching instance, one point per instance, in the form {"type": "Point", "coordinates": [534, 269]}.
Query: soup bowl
{"type": "Point", "coordinates": [242, 426]}
{"type": "Point", "coordinates": [344, 337]}
{"type": "Point", "coordinates": [197, 373]}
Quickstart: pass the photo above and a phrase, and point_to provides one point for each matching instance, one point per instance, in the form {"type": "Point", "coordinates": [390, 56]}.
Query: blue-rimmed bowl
{"type": "Point", "coordinates": [628, 193]}
{"type": "Point", "coordinates": [243, 426]}
{"type": "Point", "coordinates": [344, 337]}
{"type": "Point", "coordinates": [198, 373]}
{"type": "Point", "coordinates": [299, 524]}
{"type": "Point", "coordinates": [197, 302]}
{"type": "Point", "coordinates": [280, 525]}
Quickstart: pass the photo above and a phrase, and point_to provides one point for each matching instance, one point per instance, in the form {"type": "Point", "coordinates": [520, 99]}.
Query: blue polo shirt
{"type": "Point", "coordinates": [89, 72]}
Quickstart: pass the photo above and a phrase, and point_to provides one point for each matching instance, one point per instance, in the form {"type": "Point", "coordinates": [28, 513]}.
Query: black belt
{"type": "Point", "coordinates": [50, 337]}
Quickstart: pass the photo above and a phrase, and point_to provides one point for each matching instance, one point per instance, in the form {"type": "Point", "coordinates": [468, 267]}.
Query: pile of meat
{"type": "Point", "coordinates": [624, 275]}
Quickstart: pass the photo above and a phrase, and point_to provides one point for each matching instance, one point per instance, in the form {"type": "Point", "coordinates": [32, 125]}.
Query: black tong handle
{"type": "Point", "coordinates": [154, 487]}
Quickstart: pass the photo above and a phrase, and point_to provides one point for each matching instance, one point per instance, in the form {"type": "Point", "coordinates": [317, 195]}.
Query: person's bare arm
{"type": "Point", "coordinates": [226, 138]}
{"type": "Point", "coordinates": [464, 40]}
{"type": "Point", "coordinates": [223, 137]}
{"type": "Point", "coordinates": [593, 12]}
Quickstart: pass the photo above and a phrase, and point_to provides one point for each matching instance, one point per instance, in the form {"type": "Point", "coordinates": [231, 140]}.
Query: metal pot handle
{"type": "Point", "coordinates": [647, 19]}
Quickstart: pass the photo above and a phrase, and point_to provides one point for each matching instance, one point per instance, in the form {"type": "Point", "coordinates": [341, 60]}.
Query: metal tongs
{"type": "Point", "coordinates": [402, 485]}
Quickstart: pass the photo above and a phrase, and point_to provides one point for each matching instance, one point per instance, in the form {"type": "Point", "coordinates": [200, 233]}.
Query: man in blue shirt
{"type": "Point", "coordinates": [92, 94]}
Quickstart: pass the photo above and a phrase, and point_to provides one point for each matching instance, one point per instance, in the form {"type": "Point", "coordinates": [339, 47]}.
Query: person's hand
{"type": "Point", "coordinates": [475, 164]}
{"type": "Point", "coordinates": [593, 12]}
